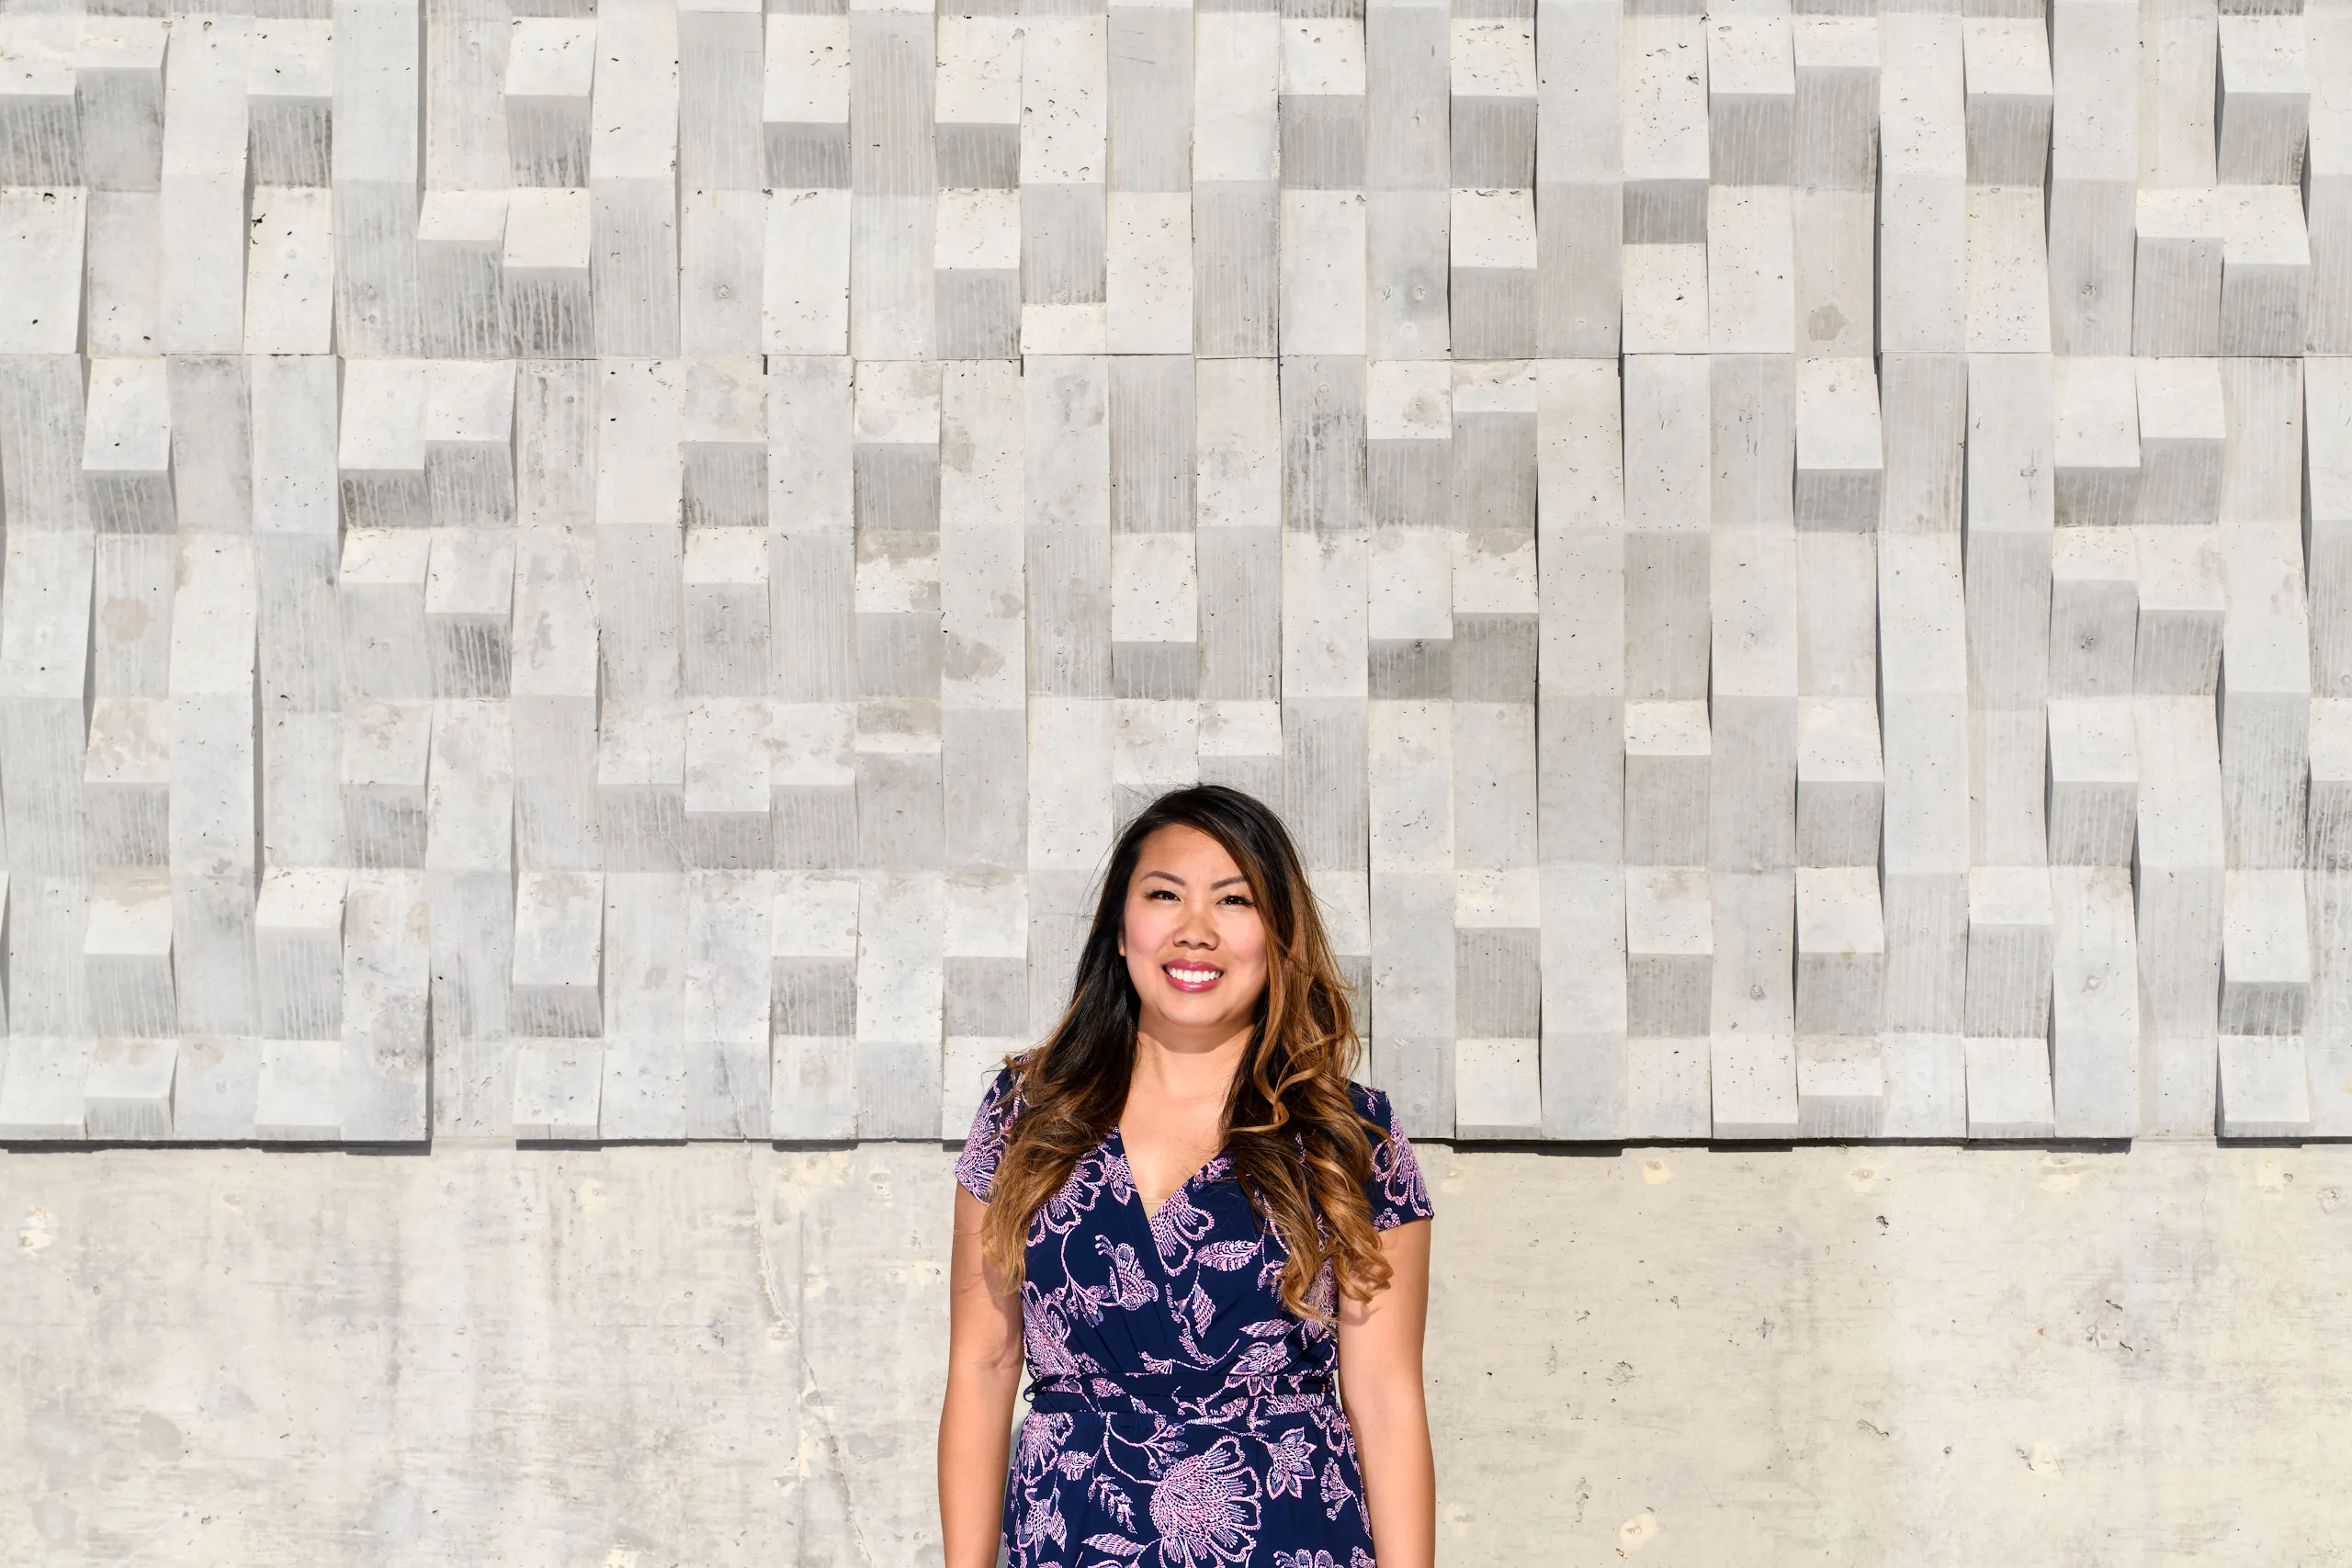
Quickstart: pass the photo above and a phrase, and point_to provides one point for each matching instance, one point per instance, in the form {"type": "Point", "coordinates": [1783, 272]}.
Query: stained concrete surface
{"type": "Point", "coordinates": [638, 1357]}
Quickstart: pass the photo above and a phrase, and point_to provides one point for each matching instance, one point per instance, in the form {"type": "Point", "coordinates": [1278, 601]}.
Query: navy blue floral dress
{"type": "Point", "coordinates": [1180, 1415]}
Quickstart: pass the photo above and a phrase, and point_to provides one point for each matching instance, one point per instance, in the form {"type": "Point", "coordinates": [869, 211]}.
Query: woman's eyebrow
{"type": "Point", "coordinates": [1220, 882]}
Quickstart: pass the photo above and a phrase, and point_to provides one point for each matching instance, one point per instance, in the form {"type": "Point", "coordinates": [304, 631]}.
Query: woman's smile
{"type": "Point", "coordinates": [1186, 976]}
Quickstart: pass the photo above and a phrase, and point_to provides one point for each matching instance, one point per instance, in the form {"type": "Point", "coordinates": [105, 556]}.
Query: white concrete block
{"type": "Point", "coordinates": [2095, 1004]}
{"type": "Point", "coordinates": [1841, 460]}
{"type": "Point", "coordinates": [558, 954]}
{"type": "Point", "coordinates": [1841, 783]}
{"type": "Point", "coordinates": [2264, 100]}
{"type": "Point", "coordinates": [2328, 841]}
{"type": "Point", "coordinates": [1669, 952]}
{"type": "Point", "coordinates": [558, 1090]}
{"type": "Point", "coordinates": [2266, 953]}
{"type": "Point", "coordinates": [385, 768]}
{"type": "Point", "coordinates": [127, 955]}
{"type": "Point", "coordinates": [2094, 780]}
{"type": "Point", "coordinates": [2265, 270]}
{"type": "Point", "coordinates": [1667, 767]}
{"type": "Point", "coordinates": [1841, 952]}
{"type": "Point", "coordinates": [2264, 1090]}
{"type": "Point", "coordinates": [2007, 63]}
{"type": "Point", "coordinates": [2009, 1088]}
{"type": "Point", "coordinates": [2183, 608]}
{"type": "Point", "coordinates": [128, 1096]}
{"type": "Point", "coordinates": [298, 952]}
{"type": "Point", "coordinates": [2009, 951]}
{"type": "Point", "coordinates": [299, 1098]}
{"type": "Point", "coordinates": [41, 1090]}
{"type": "Point", "coordinates": [2097, 441]}
{"type": "Point", "coordinates": [2176, 273]}
{"type": "Point", "coordinates": [1841, 1086]}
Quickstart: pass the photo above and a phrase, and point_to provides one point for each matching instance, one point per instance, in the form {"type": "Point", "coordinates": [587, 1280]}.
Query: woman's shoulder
{"type": "Point", "coordinates": [1003, 1092]}
{"type": "Point", "coordinates": [1372, 1104]}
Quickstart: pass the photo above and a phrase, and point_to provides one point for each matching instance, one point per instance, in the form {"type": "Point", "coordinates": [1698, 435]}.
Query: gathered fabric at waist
{"type": "Point", "coordinates": [1181, 1397]}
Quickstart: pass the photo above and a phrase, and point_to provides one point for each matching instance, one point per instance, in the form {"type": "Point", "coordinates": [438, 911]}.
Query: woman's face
{"type": "Point", "coordinates": [1194, 940]}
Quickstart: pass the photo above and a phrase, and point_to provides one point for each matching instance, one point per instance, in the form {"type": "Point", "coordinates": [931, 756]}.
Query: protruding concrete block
{"type": "Point", "coordinates": [215, 1086]}
{"type": "Point", "coordinates": [299, 1098]}
{"type": "Point", "coordinates": [43, 1087]}
{"type": "Point", "coordinates": [2264, 1090]}
{"type": "Point", "coordinates": [2263, 112]}
{"type": "Point", "coordinates": [1926, 1086]}
{"type": "Point", "coordinates": [544, 266]}
{"type": "Point", "coordinates": [558, 1090]}
{"type": "Point", "coordinates": [2094, 780]}
{"type": "Point", "coordinates": [1498, 1092]}
{"type": "Point", "coordinates": [2266, 953]}
{"type": "Point", "coordinates": [2183, 604]}
{"type": "Point", "coordinates": [550, 68]}
{"type": "Point", "coordinates": [289, 99]}
{"type": "Point", "coordinates": [128, 1096]}
{"type": "Point", "coordinates": [1841, 952]}
{"type": "Point", "coordinates": [1669, 952]}
{"type": "Point", "coordinates": [382, 594]}
{"type": "Point", "coordinates": [2009, 951]}
{"type": "Point", "coordinates": [389, 962]}
{"type": "Point", "coordinates": [1841, 1086]}
{"type": "Point", "coordinates": [2179, 880]}
{"type": "Point", "coordinates": [2266, 271]}
{"type": "Point", "coordinates": [2328, 835]}
{"type": "Point", "coordinates": [469, 610]}
{"type": "Point", "coordinates": [2094, 174]}
{"type": "Point", "coordinates": [558, 954]}
{"type": "Point", "coordinates": [2176, 273]}
{"type": "Point", "coordinates": [1751, 74]}
{"type": "Point", "coordinates": [2007, 60]}
{"type": "Point", "coordinates": [297, 948]}
{"type": "Point", "coordinates": [127, 446]}
{"type": "Point", "coordinates": [1583, 1060]}
{"type": "Point", "coordinates": [387, 754]}
{"type": "Point", "coordinates": [1841, 460]}
{"type": "Point", "coordinates": [1667, 770]}
{"type": "Point", "coordinates": [2098, 441]}
{"type": "Point", "coordinates": [118, 85]}
{"type": "Point", "coordinates": [2009, 1088]}
{"type": "Point", "coordinates": [460, 277]}
{"type": "Point", "coordinates": [2094, 612]}
{"type": "Point", "coordinates": [2095, 1004]}
{"type": "Point", "coordinates": [127, 955]}
{"type": "Point", "coordinates": [126, 781]}
{"type": "Point", "coordinates": [1841, 783]}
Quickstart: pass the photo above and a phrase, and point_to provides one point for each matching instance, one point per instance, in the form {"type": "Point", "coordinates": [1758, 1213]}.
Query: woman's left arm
{"type": "Point", "coordinates": [1380, 1384]}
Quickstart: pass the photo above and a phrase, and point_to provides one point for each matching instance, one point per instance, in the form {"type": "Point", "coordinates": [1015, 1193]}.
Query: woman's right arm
{"type": "Point", "coordinates": [983, 1375]}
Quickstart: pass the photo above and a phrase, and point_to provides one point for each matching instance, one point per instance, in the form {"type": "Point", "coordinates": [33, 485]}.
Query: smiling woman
{"type": "Point", "coordinates": [1200, 1234]}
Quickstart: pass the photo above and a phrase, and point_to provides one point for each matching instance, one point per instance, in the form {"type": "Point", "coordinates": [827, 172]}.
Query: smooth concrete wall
{"type": "Point", "coordinates": [639, 1357]}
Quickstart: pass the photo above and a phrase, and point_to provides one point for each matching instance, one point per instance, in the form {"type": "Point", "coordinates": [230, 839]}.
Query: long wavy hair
{"type": "Point", "coordinates": [1298, 1148]}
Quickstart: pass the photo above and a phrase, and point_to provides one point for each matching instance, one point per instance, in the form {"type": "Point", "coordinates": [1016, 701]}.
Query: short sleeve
{"type": "Point", "coordinates": [984, 1144]}
{"type": "Point", "coordinates": [1397, 1189]}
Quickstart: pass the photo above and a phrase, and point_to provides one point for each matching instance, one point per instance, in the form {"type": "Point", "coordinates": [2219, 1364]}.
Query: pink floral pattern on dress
{"type": "Point", "coordinates": [1180, 1415]}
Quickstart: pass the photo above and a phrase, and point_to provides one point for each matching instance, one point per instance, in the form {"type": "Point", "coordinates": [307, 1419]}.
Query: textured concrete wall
{"type": "Point", "coordinates": [609, 571]}
{"type": "Point", "coordinates": [1917, 1355]}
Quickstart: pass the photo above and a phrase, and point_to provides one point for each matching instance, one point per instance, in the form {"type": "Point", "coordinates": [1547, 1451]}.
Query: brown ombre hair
{"type": "Point", "coordinates": [1288, 1100]}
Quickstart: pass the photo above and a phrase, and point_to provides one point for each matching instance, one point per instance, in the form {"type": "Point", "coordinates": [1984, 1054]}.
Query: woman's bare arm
{"type": "Point", "coordinates": [1380, 1383]}
{"type": "Point", "coordinates": [983, 1375]}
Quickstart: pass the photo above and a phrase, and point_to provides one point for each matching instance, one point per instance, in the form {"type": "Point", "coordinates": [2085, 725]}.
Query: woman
{"type": "Point", "coordinates": [1190, 1219]}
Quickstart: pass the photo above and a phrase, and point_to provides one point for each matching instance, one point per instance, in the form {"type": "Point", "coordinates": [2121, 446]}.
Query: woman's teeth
{"type": "Point", "coordinates": [1191, 976]}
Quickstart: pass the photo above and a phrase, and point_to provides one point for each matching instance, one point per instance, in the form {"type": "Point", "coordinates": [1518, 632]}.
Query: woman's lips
{"type": "Point", "coordinates": [1191, 976]}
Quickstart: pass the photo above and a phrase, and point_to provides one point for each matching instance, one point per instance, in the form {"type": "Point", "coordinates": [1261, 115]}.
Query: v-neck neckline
{"type": "Point", "coordinates": [1151, 1215]}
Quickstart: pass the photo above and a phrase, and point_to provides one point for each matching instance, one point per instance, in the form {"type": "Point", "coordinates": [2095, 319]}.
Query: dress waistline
{"type": "Point", "coordinates": [1179, 1399]}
